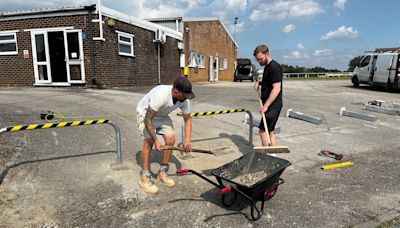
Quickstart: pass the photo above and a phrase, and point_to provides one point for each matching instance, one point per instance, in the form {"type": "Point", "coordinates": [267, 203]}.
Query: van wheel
{"type": "Point", "coordinates": [388, 87]}
{"type": "Point", "coordinates": [356, 84]}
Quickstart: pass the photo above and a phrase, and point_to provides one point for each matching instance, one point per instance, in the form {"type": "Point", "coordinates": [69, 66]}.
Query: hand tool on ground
{"type": "Point", "coordinates": [331, 154]}
{"type": "Point", "coordinates": [337, 165]}
{"type": "Point", "coordinates": [269, 149]}
{"type": "Point", "coordinates": [192, 150]}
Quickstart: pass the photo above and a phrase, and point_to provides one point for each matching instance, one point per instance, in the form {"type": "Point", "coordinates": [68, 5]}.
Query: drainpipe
{"type": "Point", "coordinates": [159, 65]}
{"type": "Point", "coordinates": [90, 10]}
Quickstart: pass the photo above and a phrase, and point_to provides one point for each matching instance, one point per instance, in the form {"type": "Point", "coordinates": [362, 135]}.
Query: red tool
{"type": "Point", "coordinates": [330, 154]}
{"type": "Point", "coordinates": [375, 102]}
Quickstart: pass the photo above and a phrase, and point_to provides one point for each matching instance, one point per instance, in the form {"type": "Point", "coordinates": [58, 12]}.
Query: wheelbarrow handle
{"type": "Point", "coordinates": [225, 190]}
{"type": "Point", "coordinates": [202, 176]}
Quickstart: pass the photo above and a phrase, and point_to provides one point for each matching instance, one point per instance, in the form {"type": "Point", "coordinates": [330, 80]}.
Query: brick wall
{"type": "Point", "coordinates": [111, 69]}
{"type": "Point", "coordinates": [211, 39]}
{"type": "Point", "coordinates": [117, 70]}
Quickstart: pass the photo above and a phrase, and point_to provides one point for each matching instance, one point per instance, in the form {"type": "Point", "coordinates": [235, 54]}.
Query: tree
{"type": "Point", "coordinates": [354, 62]}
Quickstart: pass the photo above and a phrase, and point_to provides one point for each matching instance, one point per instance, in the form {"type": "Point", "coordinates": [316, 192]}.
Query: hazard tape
{"type": "Point", "coordinates": [54, 125]}
{"type": "Point", "coordinates": [214, 112]}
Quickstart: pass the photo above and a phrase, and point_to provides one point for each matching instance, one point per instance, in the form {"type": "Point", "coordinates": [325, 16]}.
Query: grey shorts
{"type": "Point", "coordinates": [163, 126]}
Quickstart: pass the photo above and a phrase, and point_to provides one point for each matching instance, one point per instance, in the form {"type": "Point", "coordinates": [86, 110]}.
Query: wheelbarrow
{"type": "Point", "coordinates": [254, 176]}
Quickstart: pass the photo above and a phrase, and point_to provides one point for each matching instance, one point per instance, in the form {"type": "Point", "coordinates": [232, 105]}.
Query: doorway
{"type": "Point", "coordinates": [58, 57]}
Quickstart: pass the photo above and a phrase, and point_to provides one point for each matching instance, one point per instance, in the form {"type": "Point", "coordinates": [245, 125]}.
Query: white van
{"type": "Point", "coordinates": [379, 68]}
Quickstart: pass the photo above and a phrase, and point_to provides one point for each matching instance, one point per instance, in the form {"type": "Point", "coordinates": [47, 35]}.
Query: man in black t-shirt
{"type": "Point", "coordinates": [271, 92]}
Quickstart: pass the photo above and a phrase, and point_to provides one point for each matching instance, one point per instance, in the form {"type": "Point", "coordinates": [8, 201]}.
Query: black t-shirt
{"type": "Point", "coordinates": [272, 74]}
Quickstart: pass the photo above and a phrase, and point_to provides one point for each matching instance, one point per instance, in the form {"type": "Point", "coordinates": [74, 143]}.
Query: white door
{"type": "Point", "coordinates": [363, 70]}
{"type": "Point", "coordinates": [211, 70]}
{"type": "Point", "coordinates": [382, 67]}
{"type": "Point", "coordinates": [216, 69]}
{"type": "Point", "coordinates": [74, 56]}
{"type": "Point", "coordinates": [41, 59]}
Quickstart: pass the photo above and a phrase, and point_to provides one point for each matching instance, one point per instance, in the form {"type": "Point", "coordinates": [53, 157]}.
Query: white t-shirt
{"type": "Point", "coordinates": [160, 100]}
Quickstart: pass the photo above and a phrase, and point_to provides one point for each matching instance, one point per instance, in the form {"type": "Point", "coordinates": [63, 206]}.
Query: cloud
{"type": "Point", "coordinates": [288, 28]}
{"type": "Point", "coordinates": [322, 52]}
{"type": "Point", "coordinates": [342, 33]}
{"type": "Point", "coordinates": [339, 4]}
{"type": "Point", "coordinates": [301, 46]}
{"type": "Point", "coordinates": [279, 10]}
{"type": "Point", "coordinates": [296, 55]}
{"type": "Point", "coordinates": [307, 8]}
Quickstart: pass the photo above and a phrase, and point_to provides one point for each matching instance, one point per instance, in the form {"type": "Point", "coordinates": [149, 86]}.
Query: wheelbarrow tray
{"type": "Point", "coordinates": [253, 162]}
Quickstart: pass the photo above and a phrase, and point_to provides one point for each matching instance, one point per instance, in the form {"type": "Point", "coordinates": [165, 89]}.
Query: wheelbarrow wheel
{"type": "Point", "coordinates": [270, 192]}
{"type": "Point", "coordinates": [228, 199]}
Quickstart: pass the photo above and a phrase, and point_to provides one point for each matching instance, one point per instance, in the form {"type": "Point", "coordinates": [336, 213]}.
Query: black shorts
{"type": "Point", "coordinates": [271, 116]}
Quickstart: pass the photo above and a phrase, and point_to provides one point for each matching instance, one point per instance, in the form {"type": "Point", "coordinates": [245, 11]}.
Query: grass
{"type": "Point", "coordinates": [318, 78]}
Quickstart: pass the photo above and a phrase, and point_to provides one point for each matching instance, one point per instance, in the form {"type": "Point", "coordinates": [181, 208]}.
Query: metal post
{"type": "Point", "coordinates": [71, 124]}
{"type": "Point", "coordinates": [117, 142]}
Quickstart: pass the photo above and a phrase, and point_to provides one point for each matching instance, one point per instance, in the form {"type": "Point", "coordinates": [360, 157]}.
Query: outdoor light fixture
{"type": "Point", "coordinates": [110, 22]}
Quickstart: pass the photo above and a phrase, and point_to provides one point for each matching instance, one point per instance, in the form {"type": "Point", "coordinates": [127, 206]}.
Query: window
{"type": "Point", "coordinates": [193, 59]}
{"type": "Point", "coordinates": [365, 61]}
{"type": "Point", "coordinates": [225, 63]}
{"type": "Point", "coordinates": [8, 43]}
{"type": "Point", "coordinates": [221, 64]}
{"type": "Point", "coordinates": [202, 61]}
{"type": "Point", "coordinates": [182, 61]}
{"type": "Point", "coordinates": [125, 44]}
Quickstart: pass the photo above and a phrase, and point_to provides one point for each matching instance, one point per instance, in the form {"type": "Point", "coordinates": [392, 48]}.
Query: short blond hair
{"type": "Point", "coordinates": [261, 48]}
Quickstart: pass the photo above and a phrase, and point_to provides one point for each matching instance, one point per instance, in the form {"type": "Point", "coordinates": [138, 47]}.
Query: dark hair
{"type": "Point", "coordinates": [185, 86]}
{"type": "Point", "coordinates": [261, 48]}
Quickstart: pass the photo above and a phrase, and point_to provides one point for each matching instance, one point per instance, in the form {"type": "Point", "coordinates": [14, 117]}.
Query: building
{"type": "Point", "coordinates": [209, 52]}
{"type": "Point", "coordinates": [71, 46]}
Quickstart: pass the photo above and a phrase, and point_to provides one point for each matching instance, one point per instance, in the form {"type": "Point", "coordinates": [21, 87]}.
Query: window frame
{"type": "Point", "coordinates": [221, 64]}
{"type": "Point", "coordinates": [193, 60]}
{"type": "Point", "coordinates": [14, 40]}
{"type": "Point", "coordinates": [201, 60]}
{"type": "Point", "coordinates": [129, 36]}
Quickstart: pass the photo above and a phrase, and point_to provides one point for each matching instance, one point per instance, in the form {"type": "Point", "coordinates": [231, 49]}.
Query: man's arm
{"type": "Point", "coordinates": [257, 86]}
{"type": "Point", "coordinates": [276, 89]}
{"type": "Point", "coordinates": [150, 127]}
{"type": "Point", "coordinates": [188, 131]}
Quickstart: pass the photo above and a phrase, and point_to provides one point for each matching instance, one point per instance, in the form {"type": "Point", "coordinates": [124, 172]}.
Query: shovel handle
{"type": "Point", "coordinates": [193, 150]}
{"type": "Point", "coordinates": [263, 119]}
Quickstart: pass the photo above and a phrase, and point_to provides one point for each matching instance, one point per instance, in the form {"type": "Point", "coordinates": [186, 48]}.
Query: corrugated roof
{"type": "Point", "coordinates": [35, 13]}
{"type": "Point", "coordinates": [42, 10]}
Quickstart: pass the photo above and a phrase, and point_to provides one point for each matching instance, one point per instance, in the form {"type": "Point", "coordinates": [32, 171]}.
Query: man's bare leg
{"type": "Point", "coordinates": [145, 153]}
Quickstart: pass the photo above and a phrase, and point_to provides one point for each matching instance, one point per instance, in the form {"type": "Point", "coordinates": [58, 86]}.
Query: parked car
{"type": "Point", "coordinates": [245, 70]}
{"type": "Point", "coordinates": [379, 68]}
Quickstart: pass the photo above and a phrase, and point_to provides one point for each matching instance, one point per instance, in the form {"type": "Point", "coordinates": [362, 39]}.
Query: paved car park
{"type": "Point", "coordinates": [62, 177]}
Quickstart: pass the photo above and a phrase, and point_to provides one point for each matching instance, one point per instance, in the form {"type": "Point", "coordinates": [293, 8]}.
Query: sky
{"type": "Point", "coordinates": [307, 33]}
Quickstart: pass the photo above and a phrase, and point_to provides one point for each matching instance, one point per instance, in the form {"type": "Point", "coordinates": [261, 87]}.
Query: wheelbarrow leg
{"type": "Point", "coordinates": [255, 209]}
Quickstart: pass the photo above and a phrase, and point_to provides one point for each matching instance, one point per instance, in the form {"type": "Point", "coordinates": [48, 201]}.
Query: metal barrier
{"type": "Point", "coordinates": [223, 112]}
{"type": "Point", "coordinates": [70, 124]}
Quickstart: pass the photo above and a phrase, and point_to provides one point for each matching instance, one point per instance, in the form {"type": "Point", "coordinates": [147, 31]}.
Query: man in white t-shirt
{"type": "Point", "coordinates": [152, 118]}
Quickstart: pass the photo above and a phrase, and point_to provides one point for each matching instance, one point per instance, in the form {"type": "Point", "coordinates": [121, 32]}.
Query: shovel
{"type": "Point", "coordinates": [193, 150]}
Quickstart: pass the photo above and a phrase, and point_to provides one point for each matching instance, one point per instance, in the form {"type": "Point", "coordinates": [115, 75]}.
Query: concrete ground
{"type": "Point", "coordinates": [66, 177]}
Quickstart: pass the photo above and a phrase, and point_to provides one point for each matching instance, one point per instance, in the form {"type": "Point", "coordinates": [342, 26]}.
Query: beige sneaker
{"type": "Point", "coordinates": [163, 177]}
{"type": "Point", "coordinates": [147, 184]}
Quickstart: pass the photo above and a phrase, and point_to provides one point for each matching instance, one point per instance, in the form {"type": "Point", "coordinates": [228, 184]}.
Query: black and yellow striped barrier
{"type": "Point", "coordinates": [54, 125]}
{"type": "Point", "coordinates": [214, 112]}
{"type": "Point", "coordinates": [70, 124]}
{"type": "Point", "coordinates": [228, 111]}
